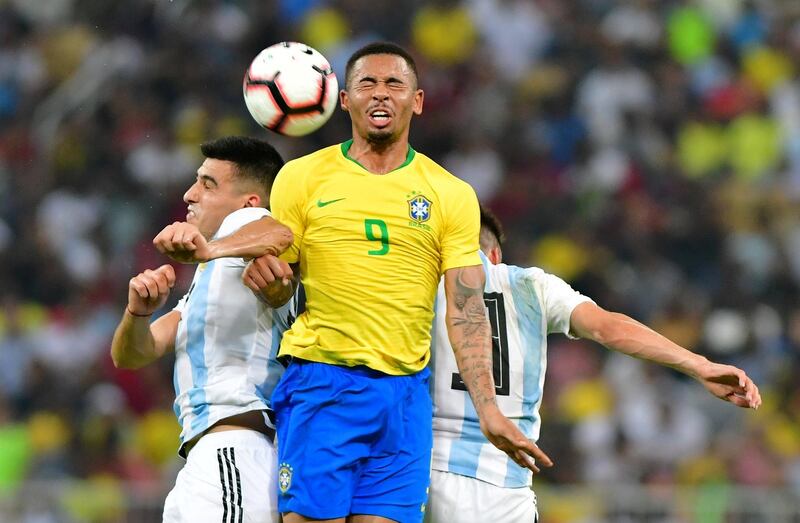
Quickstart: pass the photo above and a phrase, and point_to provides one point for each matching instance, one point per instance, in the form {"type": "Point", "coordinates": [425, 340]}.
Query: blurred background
{"type": "Point", "coordinates": [646, 151]}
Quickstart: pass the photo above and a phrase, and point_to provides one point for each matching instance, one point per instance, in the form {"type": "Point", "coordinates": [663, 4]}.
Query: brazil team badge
{"type": "Point", "coordinates": [284, 477]}
{"type": "Point", "coordinates": [419, 208]}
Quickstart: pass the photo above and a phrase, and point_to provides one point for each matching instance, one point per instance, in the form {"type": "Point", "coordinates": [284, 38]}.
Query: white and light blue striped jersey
{"type": "Point", "coordinates": [227, 341]}
{"type": "Point", "coordinates": [523, 306]}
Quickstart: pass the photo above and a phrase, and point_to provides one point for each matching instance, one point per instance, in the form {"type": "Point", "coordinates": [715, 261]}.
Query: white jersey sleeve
{"type": "Point", "coordinates": [523, 306]}
{"type": "Point", "coordinates": [560, 299]}
{"type": "Point", "coordinates": [237, 219]}
{"type": "Point", "coordinates": [227, 342]}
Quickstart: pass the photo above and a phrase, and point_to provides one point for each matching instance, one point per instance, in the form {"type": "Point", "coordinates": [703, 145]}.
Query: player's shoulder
{"type": "Point", "coordinates": [530, 272]}
{"type": "Point", "coordinates": [537, 279]}
{"type": "Point", "coordinates": [439, 175]}
{"type": "Point", "coordinates": [516, 275]}
{"type": "Point", "coordinates": [319, 155]}
{"type": "Point", "coordinates": [303, 163]}
{"type": "Point", "coordinates": [238, 218]}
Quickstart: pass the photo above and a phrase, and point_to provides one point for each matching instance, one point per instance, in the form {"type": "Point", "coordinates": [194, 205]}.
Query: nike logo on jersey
{"type": "Point", "coordinates": [320, 203]}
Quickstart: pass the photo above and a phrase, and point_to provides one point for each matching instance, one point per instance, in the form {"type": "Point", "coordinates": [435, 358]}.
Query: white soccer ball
{"type": "Point", "coordinates": [290, 88]}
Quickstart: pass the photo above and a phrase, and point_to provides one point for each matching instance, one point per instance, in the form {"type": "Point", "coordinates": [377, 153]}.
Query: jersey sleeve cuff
{"type": "Point", "coordinates": [467, 260]}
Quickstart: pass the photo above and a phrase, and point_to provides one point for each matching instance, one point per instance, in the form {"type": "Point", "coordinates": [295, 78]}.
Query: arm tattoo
{"type": "Point", "coordinates": [470, 334]}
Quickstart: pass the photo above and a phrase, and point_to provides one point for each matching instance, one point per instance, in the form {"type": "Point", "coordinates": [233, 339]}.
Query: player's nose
{"type": "Point", "coordinates": [190, 196]}
{"type": "Point", "coordinates": [380, 92]}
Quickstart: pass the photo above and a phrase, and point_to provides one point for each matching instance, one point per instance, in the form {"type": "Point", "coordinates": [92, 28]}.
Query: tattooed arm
{"type": "Point", "coordinates": [469, 332]}
{"type": "Point", "coordinates": [470, 336]}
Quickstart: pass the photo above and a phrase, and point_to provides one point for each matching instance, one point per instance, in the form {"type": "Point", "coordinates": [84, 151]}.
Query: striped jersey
{"type": "Point", "coordinates": [524, 306]}
{"type": "Point", "coordinates": [227, 341]}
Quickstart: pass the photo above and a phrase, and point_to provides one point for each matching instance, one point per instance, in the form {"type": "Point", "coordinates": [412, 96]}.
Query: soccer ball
{"type": "Point", "coordinates": [290, 88]}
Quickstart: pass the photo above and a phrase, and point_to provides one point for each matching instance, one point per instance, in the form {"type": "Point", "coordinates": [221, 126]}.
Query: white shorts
{"type": "Point", "coordinates": [454, 498]}
{"type": "Point", "coordinates": [229, 477]}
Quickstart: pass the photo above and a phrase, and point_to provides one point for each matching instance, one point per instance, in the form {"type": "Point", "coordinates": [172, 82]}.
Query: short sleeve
{"type": "Point", "coordinates": [461, 228]}
{"type": "Point", "coordinates": [237, 219]}
{"type": "Point", "coordinates": [559, 299]}
{"type": "Point", "coordinates": [287, 201]}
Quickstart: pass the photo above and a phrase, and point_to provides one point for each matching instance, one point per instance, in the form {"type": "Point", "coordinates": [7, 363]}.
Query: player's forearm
{"type": "Point", "coordinates": [133, 345]}
{"type": "Point", "coordinates": [628, 336]}
{"type": "Point", "coordinates": [264, 236]}
{"type": "Point", "coordinates": [471, 341]}
{"type": "Point", "coordinates": [470, 334]}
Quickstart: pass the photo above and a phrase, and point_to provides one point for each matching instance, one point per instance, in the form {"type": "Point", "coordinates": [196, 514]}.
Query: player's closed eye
{"type": "Point", "coordinates": [207, 182]}
{"type": "Point", "coordinates": [392, 83]}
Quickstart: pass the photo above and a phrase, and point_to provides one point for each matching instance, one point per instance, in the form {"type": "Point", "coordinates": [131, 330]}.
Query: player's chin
{"type": "Point", "coordinates": [379, 136]}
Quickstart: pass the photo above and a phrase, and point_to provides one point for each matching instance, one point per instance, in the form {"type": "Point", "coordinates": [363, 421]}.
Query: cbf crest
{"type": "Point", "coordinates": [284, 477]}
{"type": "Point", "coordinates": [419, 208]}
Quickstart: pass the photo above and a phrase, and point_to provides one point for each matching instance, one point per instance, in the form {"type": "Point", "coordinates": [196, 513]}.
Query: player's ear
{"type": "Point", "coordinates": [419, 97]}
{"type": "Point", "coordinates": [495, 255]}
{"type": "Point", "coordinates": [343, 101]}
{"type": "Point", "coordinates": [253, 200]}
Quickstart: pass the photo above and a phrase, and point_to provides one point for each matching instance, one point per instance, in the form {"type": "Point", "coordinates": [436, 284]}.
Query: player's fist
{"type": "Point", "coordinates": [263, 272]}
{"type": "Point", "coordinates": [149, 290]}
{"type": "Point", "coordinates": [183, 242]}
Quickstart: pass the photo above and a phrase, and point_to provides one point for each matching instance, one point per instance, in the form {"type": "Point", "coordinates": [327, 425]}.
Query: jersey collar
{"type": "Point", "coordinates": [349, 143]}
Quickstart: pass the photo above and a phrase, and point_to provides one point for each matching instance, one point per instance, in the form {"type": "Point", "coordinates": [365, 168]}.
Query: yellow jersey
{"type": "Point", "coordinates": [372, 249]}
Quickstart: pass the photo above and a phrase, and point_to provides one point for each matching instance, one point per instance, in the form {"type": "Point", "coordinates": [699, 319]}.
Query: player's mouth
{"type": "Point", "coordinates": [379, 118]}
{"type": "Point", "coordinates": [190, 215]}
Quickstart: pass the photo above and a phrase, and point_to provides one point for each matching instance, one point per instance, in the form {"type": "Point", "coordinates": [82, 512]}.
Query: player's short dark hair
{"type": "Point", "coordinates": [490, 224]}
{"type": "Point", "coordinates": [256, 160]}
{"type": "Point", "coordinates": [379, 48]}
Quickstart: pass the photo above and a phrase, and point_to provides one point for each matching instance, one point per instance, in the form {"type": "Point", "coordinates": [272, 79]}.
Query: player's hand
{"type": "Point", "coordinates": [266, 271]}
{"type": "Point", "coordinates": [504, 435]}
{"type": "Point", "coordinates": [183, 242]}
{"type": "Point", "coordinates": [149, 290]}
{"type": "Point", "coordinates": [729, 383]}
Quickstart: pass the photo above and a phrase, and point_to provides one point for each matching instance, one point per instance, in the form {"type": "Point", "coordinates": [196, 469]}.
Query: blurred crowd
{"type": "Point", "coordinates": [646, 151]}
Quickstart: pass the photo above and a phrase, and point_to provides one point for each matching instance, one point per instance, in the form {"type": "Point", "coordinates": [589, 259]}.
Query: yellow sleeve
{"type": "Point", "coordinates": [287, 203]}
{"type": "Point", "coordinates": [462, 227]}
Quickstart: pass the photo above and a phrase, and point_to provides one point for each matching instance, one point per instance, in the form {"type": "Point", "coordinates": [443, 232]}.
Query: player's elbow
{"type": "Point", "coordinates": [123, 361]}
{"type": "Point", "coordinates": [277, 294]}
{"type": "Point", "coordinates": [119, 362]}
{"type": "Point", "coordinates": [276, 240]}
{"type": "Point", "coordinates": [612, 330]}
{"type": "Point", "coordinates": [604, 335]}
{"type": "Point", "coordinates": [283, 238]}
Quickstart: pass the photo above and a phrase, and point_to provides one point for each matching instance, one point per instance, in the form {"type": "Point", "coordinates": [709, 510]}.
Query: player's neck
{"type": "Point", "coordinates": [379, 158]}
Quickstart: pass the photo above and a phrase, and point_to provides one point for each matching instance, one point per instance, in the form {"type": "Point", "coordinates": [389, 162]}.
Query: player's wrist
{"type": "Point", "coordinates": [214, 249]}
{"type": "Point", "coordinates": [695, 365]}
{"type": "Point", "coordinates": [137, 314]}
{"type": "Point", "coordinates": [488, 410]}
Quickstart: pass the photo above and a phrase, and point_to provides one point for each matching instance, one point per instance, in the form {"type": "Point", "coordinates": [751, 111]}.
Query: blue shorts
{"type": "Point", "coordinates": [352, 440]}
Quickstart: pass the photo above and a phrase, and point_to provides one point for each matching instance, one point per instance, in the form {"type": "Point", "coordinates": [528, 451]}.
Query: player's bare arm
{"type": "Point", "coordinates": [470, 336]}
{"type": "Point", "coordinates": [264, 236]}
{"type": "Point", "coordinates": [136, 341]}
{"type": "Point", "coordinates": [469, 332]}
{"type": "Point", "coordinates": [626, 335]}
{"type": "Point", "coordinates": [272, 279]}
{"type": "Point", "coordinates": [184, 243]}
